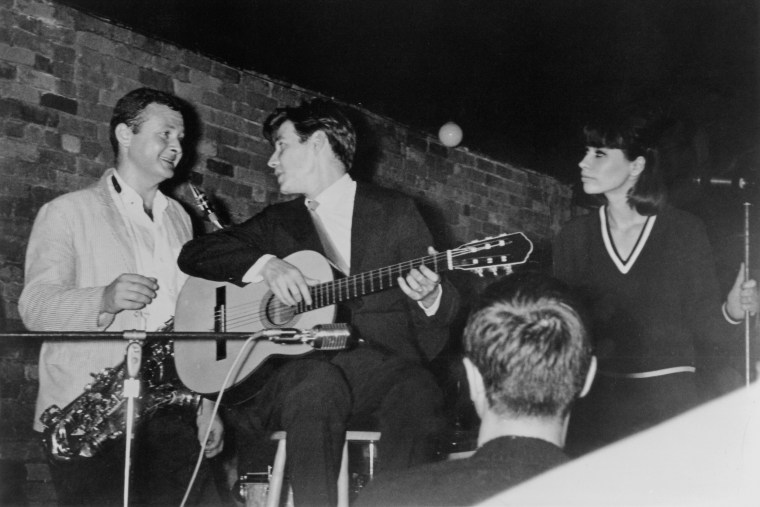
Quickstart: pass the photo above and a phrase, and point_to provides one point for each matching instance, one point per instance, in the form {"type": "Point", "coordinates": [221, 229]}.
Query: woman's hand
{"type": "Point", "coordinates": [743, 297]}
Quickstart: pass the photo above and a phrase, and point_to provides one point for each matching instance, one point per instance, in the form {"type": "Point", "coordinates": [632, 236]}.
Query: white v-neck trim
{"type": "Point", "coordinates": [624, 266]}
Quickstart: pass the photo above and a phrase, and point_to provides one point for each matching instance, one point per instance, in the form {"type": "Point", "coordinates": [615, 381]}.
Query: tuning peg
{"type": "Point", "coordinates": [494, 270]}
{"type": "Point", "coordinates": [508, 270]}
{"type": "Point", "coordinates": [479, 272]}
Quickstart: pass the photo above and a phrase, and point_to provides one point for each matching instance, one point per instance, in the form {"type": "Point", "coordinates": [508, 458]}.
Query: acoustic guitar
{"type": "Point", "coordinates": [222, 307]}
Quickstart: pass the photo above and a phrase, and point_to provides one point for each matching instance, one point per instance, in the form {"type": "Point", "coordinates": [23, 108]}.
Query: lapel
{"type": "Point", "coordinates": [367, 211]}
{"type": "Point", "coordinates": [117, 229]}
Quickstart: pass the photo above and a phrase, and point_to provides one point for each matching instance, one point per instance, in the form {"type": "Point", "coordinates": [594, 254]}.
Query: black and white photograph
{"type": "Point", "coordinates": [379, 253]}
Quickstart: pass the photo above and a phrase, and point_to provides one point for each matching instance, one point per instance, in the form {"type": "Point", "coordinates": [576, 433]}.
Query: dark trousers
{"type": "Point", "coordinates": [165, 449]}
{"type": "Point", "coordinates": [316, 400]}
{"type": "Point", "coordinates": [399, 398]}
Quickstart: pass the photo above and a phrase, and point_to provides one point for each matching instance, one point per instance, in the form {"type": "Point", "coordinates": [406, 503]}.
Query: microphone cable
{"type": "Point", "coordinates": [215, 410]}
{"type": "Point", "coordinates": [327, 342]}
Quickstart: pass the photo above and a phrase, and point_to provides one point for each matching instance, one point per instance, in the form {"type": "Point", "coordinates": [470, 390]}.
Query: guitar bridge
{"type": "Point", "coordinates": [220, 322]}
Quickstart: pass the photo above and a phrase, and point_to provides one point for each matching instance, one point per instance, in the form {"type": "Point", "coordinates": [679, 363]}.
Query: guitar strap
{"type": "Point", "coordinates": [331, 251]}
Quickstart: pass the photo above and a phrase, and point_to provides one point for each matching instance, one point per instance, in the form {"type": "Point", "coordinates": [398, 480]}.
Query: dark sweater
{"type": "Point", "coordinates": [656, 315]}
{"type": "Point", "coordinates": [498, 465]}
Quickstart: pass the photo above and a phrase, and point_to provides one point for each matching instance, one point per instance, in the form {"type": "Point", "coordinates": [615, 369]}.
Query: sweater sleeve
{"type": "Point", "coordinates": [703, 298]}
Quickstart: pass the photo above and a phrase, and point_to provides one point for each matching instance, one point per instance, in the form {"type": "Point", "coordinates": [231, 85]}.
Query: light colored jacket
{"type": "Point", "coordinates": [80, 244]}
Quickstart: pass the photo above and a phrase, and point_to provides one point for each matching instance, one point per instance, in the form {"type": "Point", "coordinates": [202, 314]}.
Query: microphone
{"type": "Point", "coordinates": [320, 337]}
{"type": "Point", "coordinates": [202, 202]}
{"type": "Point", "coordinates": [737, 182]}
{"type": "Point", "coordinates": [134, 359]}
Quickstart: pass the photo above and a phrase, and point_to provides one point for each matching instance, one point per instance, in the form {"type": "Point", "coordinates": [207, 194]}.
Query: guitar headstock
{"type": "Point", "coordinates": [492, 254]}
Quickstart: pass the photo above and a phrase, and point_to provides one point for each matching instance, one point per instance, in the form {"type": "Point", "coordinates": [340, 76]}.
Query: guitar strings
{"type": "Point", "coordinates": [329, 293]}
{"type": "Point", "coordinates": [321, 293]}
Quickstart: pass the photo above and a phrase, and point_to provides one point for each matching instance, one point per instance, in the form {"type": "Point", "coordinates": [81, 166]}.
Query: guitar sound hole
{"type": "Point", "coordinates": [277, 313]}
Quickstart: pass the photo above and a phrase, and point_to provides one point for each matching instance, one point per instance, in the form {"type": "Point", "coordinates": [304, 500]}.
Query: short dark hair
{"type": "Point", "coordinates": [527, 338]}
{"type": "Point", "coordinates": [129, 108]}
{"type": "Point", "coordinates": [318, 114]}
{"type": "Point", "coordinates": [637, 134]}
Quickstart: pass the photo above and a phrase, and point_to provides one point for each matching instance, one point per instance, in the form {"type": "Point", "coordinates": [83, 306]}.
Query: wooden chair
{"type": "Point", "coordinates": [278, 469]}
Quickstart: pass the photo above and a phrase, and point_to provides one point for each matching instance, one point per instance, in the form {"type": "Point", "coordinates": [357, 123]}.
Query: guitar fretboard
{"type": "Point", "coordinates": [369, 282]}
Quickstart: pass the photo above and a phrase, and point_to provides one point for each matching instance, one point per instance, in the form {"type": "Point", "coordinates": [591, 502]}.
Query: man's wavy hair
{"type": "Point", "coordinates": [530, 344]}
{"type": "Point", "coordinates": [318, 114]}
{"type": "Point", "coordinates": [637, 134]}
{"type": "Point", "coordinates": [129, 109]}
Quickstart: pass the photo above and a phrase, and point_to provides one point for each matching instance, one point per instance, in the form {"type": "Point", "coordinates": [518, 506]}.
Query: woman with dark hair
{"type": "Point", "coordinates": [648, 274]}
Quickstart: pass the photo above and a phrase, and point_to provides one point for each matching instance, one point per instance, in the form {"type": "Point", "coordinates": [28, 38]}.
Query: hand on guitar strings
{"type": "Point", "coordinates": [287, 282]}
{"type": "Point", "coordinates": [422, 284]}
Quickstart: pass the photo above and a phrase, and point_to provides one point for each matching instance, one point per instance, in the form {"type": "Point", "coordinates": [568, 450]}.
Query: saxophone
{"type": "Point", "coordinates": [96, 419]}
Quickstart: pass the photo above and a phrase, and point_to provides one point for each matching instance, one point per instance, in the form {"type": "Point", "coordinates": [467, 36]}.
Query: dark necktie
{"type": "Point", "coordinates": [331, 251]}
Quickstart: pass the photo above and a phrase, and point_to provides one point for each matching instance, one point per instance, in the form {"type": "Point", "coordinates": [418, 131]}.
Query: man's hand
{"type": "Point", "coordinates": [287, 282]}
{"type": "Point", "coordinates": [422, 284]}
{"type": "Point", "coordinates": [215, 443]}
{"type": "Point", "coordinates": [129, 291]}
{"type": "Point", "coordinates": [743, 297]}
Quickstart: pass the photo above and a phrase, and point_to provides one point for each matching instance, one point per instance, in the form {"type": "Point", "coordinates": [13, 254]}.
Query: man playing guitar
{"type": "Point", "coordinates": [382, 384]}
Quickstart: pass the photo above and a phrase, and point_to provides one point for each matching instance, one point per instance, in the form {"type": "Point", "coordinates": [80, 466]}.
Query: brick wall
{"type": "Point", "coordinates": [61, 72]}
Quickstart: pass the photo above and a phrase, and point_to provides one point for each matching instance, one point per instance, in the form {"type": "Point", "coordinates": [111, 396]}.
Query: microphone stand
{"type": "Point", "coordinates": [131, 391]}
{"type": "Point", "coordinates": [747, 333]}
{"type": "Point", "coordinates": [744, 185]}
{"type": "Point", "coordinates": [131, 388]}
{"type": "Point", "coordinates": [130, 335]}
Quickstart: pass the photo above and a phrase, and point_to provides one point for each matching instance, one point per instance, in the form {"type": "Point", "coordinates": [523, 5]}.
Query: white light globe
{"type": "Point", "coordinates": [450, 134]}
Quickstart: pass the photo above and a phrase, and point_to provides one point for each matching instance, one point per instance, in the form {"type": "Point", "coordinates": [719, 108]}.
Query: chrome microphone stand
{"type": "Point", "coordinates": [747, 187]}
{"type": "Point", "coordinates": [131, 391]}
{"type": "Point", "coordinates": [747, 333]}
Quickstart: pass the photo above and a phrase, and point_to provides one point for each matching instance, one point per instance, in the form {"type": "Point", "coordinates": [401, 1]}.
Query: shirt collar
{"type": "Point", "coordinates": [335, 195]}
{"type": "Point", "coordinates": [128, 194]}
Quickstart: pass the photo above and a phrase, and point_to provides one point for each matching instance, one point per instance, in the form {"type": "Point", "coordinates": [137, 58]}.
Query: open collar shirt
{"type": "Point", "coordinates": [154, 255]}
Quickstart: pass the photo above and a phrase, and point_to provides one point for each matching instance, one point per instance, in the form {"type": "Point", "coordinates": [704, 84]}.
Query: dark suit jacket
{"type": "Point", "coordinates": [386, 229]}
{"type": "Point", "coordinates": [498, 465]}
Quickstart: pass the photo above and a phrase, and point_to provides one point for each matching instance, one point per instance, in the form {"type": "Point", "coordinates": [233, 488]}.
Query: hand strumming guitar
{"type": "Point", "coordinates": [287, 282]}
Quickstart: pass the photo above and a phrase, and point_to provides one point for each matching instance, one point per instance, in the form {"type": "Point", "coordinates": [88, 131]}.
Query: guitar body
{"type": "Point", "coordinates": [203, 305]}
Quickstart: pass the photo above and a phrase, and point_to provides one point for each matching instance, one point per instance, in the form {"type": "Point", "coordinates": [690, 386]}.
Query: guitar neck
{"type": "Point", "coordinates": [362, 284]}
